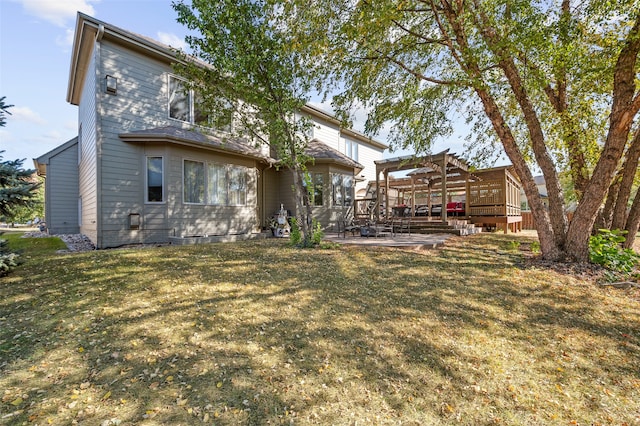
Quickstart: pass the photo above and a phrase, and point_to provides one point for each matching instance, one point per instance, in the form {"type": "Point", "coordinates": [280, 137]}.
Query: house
{"type": "Point", "coordinates": [141, 170]}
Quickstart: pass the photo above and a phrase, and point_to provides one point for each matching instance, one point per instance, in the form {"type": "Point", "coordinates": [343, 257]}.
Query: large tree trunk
{"type": "Point", "coordinates": [536, 135]}
{"type": "Point", "coordinates": [625, 106]}
{"type": "Point", "coordinates": [303, 204]}
{"type": "Point", "coordinates": [629, 170]}
{"type": "Point", "coordinates": [633, 221]}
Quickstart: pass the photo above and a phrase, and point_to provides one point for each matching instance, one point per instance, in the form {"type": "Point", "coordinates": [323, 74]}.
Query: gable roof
{"type": "Point", "coordinates": [323, 153]}
{"type": "Point", "coordinates": [41, 162]}
{"type": "Point", "coordinates": [176, 135]}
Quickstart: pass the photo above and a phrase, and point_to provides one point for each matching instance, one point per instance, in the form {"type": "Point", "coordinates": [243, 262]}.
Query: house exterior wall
{"type": "Point", "coordinates": [61, 199]}
{"type": "Point", "coordinates": [367, 154]}
{"type": "Point", "coordinates": [327, 132]}
{"type": "Point", "coordinates": [141, 102]}
{"type": "Point", "coordinates": [185, 220]}
{"type": "Point", "coordinates": [138, 104]}
{"type": "Point", "coordinates": [111, 173]}
{"type": "Point", "coordinates": [87, 201]}
{"type": "Point", "coordinates": [327, 214]}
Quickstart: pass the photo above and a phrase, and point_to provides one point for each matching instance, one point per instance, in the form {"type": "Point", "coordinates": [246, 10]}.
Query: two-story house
{"type": "Point", "coordinates": [141, 170]}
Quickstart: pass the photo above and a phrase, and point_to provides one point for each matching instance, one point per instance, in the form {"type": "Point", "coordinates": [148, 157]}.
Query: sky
{"type": "Point", "coordinates": [36, 37]}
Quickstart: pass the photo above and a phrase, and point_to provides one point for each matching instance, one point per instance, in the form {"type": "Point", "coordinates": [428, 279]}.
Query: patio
{"type": "Point", "coordinates": [407, 241]}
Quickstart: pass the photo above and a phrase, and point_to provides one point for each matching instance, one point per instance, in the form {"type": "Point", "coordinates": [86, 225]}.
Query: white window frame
{"type": "Point", "coordinates": [189, 94]}
{"type": "Point", "coordinates": [192, 108]}
{"type": "Point", "coordinates": [341, 190]}
{"type": "Point", "coordinates": [146, 180]}
{"type": "Point", "coordinates": [224, 199]}
{"type": "Point", "coordinates": [351, 149]}
{"type": "Point", "coordinates": [184, 186]}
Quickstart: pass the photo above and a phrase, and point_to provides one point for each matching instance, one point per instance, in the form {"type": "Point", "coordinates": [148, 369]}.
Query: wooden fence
{"type": "Point", "coordinates": [527, 220]}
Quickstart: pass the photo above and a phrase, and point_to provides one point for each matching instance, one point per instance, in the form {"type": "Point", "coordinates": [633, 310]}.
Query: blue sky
{"type": "Point", "coordinates": [35, 52]}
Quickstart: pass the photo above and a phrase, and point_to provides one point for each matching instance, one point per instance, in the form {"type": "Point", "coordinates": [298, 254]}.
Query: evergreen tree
{"type": "Point", "coordinates": [17, 187]}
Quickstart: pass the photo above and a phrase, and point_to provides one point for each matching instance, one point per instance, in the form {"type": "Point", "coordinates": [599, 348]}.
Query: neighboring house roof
{"type": "Point", "coordinates": [41, 162]}
{"type": "Point", "coordinates": [170, 134]}
{"type": "Point", "coordinates": [323, 153]}
{"type": "Point", "coordinates": [89, 29]}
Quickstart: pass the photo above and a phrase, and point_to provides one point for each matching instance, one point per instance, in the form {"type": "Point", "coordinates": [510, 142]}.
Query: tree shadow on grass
{"type": "Point", "coordinates": [256, 333]}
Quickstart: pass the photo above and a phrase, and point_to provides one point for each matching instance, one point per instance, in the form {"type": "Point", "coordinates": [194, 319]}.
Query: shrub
{"type": "Point", "coordinates": [318, 233]}
{"type": "Point", "coordinates": [605, 249]}
{"type": "Point", "coordinates": [295, 236]}
{"type": "Point", "coordinates": [8, 259]}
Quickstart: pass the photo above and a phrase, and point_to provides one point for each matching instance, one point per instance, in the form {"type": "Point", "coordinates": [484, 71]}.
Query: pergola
{"type": "Point", "coordinates": [442, 171]}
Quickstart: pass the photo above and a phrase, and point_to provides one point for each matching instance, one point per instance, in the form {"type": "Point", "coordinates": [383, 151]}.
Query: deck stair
{"type": "Point", "coordinates": [452, 226]}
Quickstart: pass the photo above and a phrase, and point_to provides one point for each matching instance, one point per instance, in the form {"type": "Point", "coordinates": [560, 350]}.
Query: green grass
{"type": "Point", "coordinates": [33, 246]}
{"type": "Point", "coordinates": [261, 333]}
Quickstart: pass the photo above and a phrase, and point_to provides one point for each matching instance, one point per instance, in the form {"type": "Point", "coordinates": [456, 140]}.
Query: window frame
{"type": "Point", "coordinates": [345, 193]}
{"type": "Point", "coordinates": [146, 180]}
{"type": "Point", "coordinates": [188, 94]}
{"type": "Point", "coordinates": [230, 171]}
{"type": "Point", "coordinates": [195, 116]}
{"type": "Point", "coordinates": [184, 186]}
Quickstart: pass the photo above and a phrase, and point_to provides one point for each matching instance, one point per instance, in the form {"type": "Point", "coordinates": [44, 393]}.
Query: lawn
{"type": "Point", "coordinates": [260, 333]}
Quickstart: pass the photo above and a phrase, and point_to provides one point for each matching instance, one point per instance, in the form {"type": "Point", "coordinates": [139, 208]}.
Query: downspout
{"type": "Point", "coordinates": [99, 137]}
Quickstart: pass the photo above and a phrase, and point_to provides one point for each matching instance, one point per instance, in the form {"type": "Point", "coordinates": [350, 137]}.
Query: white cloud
{"type": "Point", "coordinates": [71, 125]}
{"type": "Point", "coordinates": [26, 114]}
{"type": "Point", "coordinates": [171, 40]}
{"type": "Point", "coordinates": [58, 12]}
{"type": "Point", "coordinates": [67, 39]}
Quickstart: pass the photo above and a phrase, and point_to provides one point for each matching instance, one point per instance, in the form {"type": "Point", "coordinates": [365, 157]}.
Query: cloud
{"type": "Point", "coordinates": [58, 12]}
{"type": "Point", "coordinates": [26, 114]}
{"type": "Point", "coordinates": [67, 39]}
{"type": "Point", "coordinates": [171, 40]}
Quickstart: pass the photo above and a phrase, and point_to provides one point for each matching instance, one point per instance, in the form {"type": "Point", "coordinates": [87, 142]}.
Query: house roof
{"type": "Point", "coordinates": [41, 162]}
{"type": "Point", "coordinates": [323, 153]}
{"type": "Point", "coordinates": [170, 134]}
{"type": "Point", "coordinates": [89, 29]}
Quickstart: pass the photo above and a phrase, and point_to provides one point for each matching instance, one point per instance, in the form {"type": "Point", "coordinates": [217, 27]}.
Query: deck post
{"type": "Point", "coordinates": [386, 194]}
{"type": "Point", "coordinates": [443, 192]}
{"type": "Point", "coordinates": [413, 196]}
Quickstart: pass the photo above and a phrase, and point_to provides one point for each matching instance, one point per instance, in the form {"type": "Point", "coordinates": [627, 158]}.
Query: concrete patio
{"type": "Point", "coordinates": [406, 241]}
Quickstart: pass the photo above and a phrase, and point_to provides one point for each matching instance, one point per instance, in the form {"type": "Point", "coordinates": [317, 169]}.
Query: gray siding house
{"type": "Point", "coordinates": [141, 171]}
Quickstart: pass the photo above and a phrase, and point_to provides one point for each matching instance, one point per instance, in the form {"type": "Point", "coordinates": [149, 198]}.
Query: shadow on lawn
{"type": "Point", "coordinates": [250, 333]}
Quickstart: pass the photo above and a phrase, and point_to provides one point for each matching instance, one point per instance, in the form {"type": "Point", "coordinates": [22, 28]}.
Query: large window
{"type": "Point", "coordinates": [342, 189]}
{"type": "Point", "coordinates": [155, 180]}
{"type": "Point", "coordinates": [193, 182]}
{"type": "Point", "coordinates": [223, 184]}
{"type": "Point", "coordinates": [187, 105]}
{"type": "Point", "coordinates": [318, 189]}
{"type": "Point", "coordinates": [316, 180]}
{"type": "Point", "coordinates": [179, 100]}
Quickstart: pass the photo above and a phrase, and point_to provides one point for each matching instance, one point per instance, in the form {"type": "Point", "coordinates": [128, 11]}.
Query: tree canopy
{"type": "Point", "coordinates": [18, 189]}
{"type": "Point", "coordinates": [553, 82]}
{"type": "Point", "coordinates": [246, 66]}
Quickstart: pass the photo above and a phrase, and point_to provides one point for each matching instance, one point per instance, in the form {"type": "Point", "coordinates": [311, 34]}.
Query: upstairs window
{"type": "Point", "coordinates": [351, 149]}
{"type": "Point", "coordinates": [188, 106]}
{"type": "Point", "coordinates": [179, 100]}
